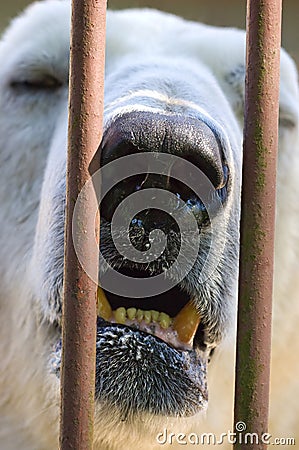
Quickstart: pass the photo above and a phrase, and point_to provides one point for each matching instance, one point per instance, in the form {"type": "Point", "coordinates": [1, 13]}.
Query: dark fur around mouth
{"type": "Point", "coordinates": [140, 373]}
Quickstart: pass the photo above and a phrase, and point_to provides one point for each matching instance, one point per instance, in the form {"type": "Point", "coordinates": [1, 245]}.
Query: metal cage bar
{"type": "Point", "coordinates": [79, 297]}
{"type": "Point", "coordinates": [257, 219]}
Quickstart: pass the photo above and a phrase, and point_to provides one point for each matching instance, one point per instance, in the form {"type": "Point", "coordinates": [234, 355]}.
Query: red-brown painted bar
{"type": "Point", "coordinates": [79, 299]}
{"type": "Point", "coordinates": [257, 220]}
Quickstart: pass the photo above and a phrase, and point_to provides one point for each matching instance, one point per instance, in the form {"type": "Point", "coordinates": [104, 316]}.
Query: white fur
{"type": "Point", "coordinates": [32, 148]}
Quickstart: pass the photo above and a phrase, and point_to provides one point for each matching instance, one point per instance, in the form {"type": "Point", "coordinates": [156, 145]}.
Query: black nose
{"type": "Point", "coordinates": [186, 137]}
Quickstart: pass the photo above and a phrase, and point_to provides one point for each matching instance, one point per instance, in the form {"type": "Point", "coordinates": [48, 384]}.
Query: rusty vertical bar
{"type": "Point", "coordinates": [79, 297]}
{"type": "Point", "coordinates": [257, 220]}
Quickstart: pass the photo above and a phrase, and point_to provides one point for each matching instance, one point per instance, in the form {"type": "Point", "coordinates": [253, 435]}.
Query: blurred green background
{"type": "Point", "coordinates": [221, 12]}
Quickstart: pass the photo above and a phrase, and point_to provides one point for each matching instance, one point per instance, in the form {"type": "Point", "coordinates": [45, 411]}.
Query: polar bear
{"type": "Point", "coordinates": [173, 88]}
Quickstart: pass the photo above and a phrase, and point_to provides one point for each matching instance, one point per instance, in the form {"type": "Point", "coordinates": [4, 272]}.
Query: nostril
{"type": "Point", "coordinates": [209, 162]}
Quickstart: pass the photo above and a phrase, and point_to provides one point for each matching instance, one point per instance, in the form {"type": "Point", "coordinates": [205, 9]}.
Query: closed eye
{"type": "Point", "coordinates": [40, 83]}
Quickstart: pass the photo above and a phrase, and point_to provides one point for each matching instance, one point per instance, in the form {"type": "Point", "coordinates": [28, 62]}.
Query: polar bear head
{"type": "Point", "coordinates": [173, 146]}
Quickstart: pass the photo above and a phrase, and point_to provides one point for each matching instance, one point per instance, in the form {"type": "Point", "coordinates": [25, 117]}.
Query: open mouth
{"type": "Point", "coordinates": [171, 316]}
{"type": "Point", "coordinates": [150, 354]}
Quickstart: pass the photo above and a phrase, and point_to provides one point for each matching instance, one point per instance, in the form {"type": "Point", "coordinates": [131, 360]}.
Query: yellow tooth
{"type": "Point", "coordinates": [120, 315]}
{"type": "Point", "coordinates": [186, 323]}
{"type": "Point", "coordinates": [147, 316]}
{"type": "Point", "coordinates": [139, 315]}
{"type": "Point", "coordinates": [155, 315]}
{"type": "Point", "coordinates": [103, 306]}
{"type": "Point", "coordinates": [131, 312]}
{"type": "Point", "coordinates": [164, 320]}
